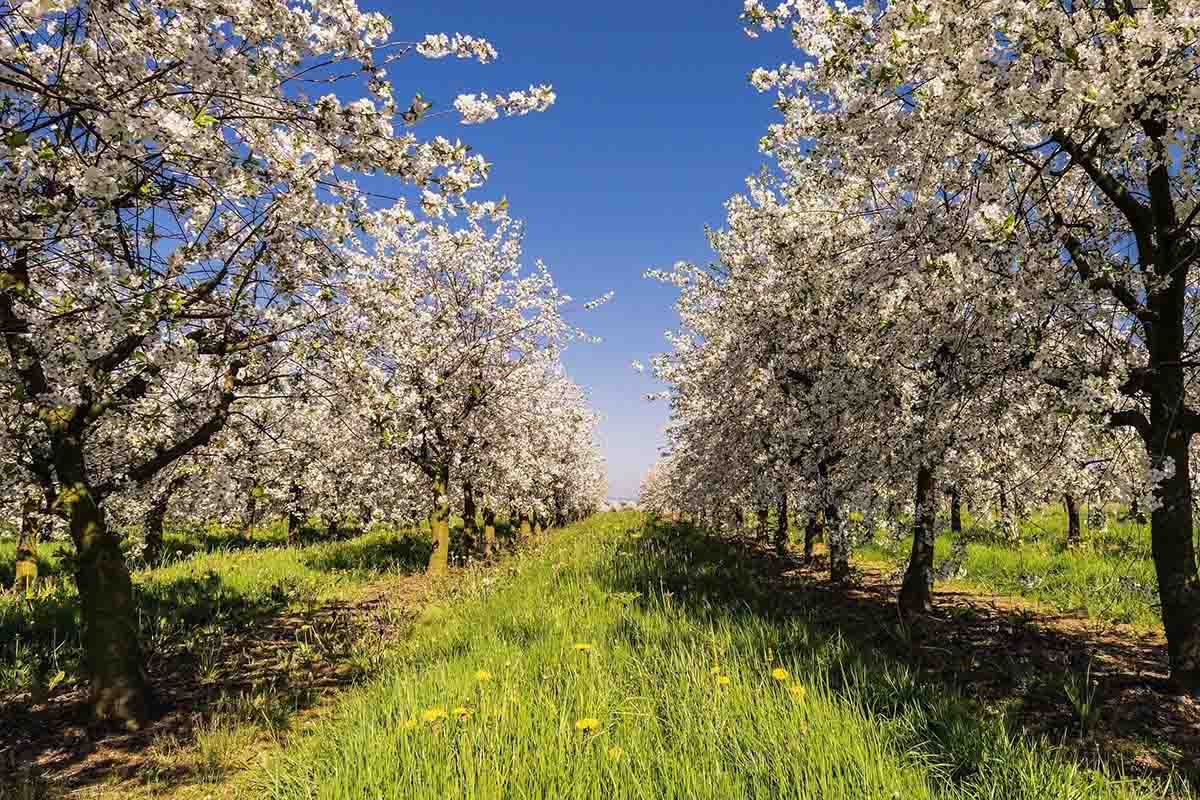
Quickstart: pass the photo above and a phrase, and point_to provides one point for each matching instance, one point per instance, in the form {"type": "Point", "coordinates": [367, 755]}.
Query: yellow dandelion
{"type": "Point", "coordinates": [780, 674]}
{"type": "Point", "coordinates": [797, 691]}
{"type": "Point", "coordinates": [722, 680]}
{"type": "Point", "coordinates": [615, 753]}
{"type": "Point", "coordinates": [588, 725]}
{"type": "Point", "coordinates": [462, 712]}
{"type": "Point", "coordinates": [483, 676]}
{"type": "Point", "coordinates": [409, 724]}
{"type": "Point", "coordinates": [433, 714]}
{"type": "Point", "coordinates": [715, 671]}
{"type": "Point", "coordinates": [583, 647]}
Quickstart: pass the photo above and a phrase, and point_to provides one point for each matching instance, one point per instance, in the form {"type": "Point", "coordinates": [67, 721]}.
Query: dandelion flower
{"type": "Point", "coordinates": [462, 712]}
{"type": "Point", "coordinates": [433, 714]}
{"type": "Point", "coordinates": [780, 674]}
{"type": "Point", "coordinates": [483, 676]}
{"type": "Point", "coordinates": [615, 753]}
{"type": "Point", "coordinates": [722, 680]}
{"type": "Point", "coordinates": [797, 691]}
{"type": "Point", "coordinates": [715, 671]}
{"type": "Point", "coordinates": [583, 647]}
{"type": "Point", "coordinates": [588, 725]}
{"type": "Point", "coordinates": [409, 724]}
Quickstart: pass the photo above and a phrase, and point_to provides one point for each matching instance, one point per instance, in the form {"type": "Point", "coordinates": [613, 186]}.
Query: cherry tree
{"type": "Point", "coordinates": [171, 211]}
{"type": "Point", "coordinates": [1068, 131]}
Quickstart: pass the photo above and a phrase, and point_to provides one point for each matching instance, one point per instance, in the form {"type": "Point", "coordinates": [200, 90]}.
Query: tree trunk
{"type": "Point", "coordinates": [1171, 535]}
{"type": "Point", "coordinates": [955, 513]}
{"type": "Point", "coordinates": [763, 534]}
{"type": "Point", "coordinates": [27, 542]}
{"type": "Point", "coordinates": [489, 532]}
{"type": "Point", "coordinates": [1135, 513]}
{"type": "Point", "coordinates": [251, 513]}
{"type": "Point", "coordinates": [1073, 530]}
{"type": "Point", "coordinates": [525, 530]}
{"type": "Point", "coordinates": [537, 526]}
{"type": "Point", "coordinates": [439, 523]}
{"type": "Point", "coordinates": [781, 524]}
{"type": "Point", "coordinates": [811, 532]}
{"type": "Point", "coordinates": [470, 523]}
{"type": "Point", "coordinates": [112, 652]}
{"type": "Point", "coordinates": [916, 593]}
{"type": "Point", "coordinates": [295, 513]}
{"type": "Point", "coordinates": [740, 516]}
{"type": "Point", "coordinates": [155, 517]}
{"type": "Point", "coordinates": [839, 547]}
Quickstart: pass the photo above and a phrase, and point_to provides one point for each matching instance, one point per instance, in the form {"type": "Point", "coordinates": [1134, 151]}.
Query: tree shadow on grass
{"type": "Point", "coordinates": [223, 657]}
{"type": "Point", "coordinates": [970, 650]}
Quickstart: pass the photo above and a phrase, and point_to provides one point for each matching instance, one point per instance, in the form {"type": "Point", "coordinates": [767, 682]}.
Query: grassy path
{"type": "Point", "coordinates": [623, 662]}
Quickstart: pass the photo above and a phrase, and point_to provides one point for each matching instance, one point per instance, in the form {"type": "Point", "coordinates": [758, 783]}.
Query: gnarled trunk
{"type": "Point", "coordinates": [781, 524]}
{"type": "Point", "coordinates": [439, 523]}
{"type": "Point", "coordinates": [916, 593]}
{"type": "Point", "coordinates": [955, 513]}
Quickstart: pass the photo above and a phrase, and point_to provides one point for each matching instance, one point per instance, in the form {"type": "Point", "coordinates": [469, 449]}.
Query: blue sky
{"type": "Point", "coordinates": [654, 128]}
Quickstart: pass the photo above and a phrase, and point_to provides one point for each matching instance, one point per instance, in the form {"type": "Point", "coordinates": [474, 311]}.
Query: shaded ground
{"type": "Point", "coordinates": [270, 670]}
{"type": "Point", "coordinates": [1002, 651]}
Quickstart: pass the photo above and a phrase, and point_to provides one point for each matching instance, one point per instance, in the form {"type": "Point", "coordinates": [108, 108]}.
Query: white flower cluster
{"type": "Point", "coordinates": [476, 108]}
{"type": "Point", "coordinates": [440, 45]}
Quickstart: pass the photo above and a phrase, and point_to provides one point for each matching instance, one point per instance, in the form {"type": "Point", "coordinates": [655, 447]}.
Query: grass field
{"type": "Point", "coordinates": [211, 584]}
{"type": "Point", "coordinates": [1108, 576]}
{"type": "Point", "coordinates": [626, 661]}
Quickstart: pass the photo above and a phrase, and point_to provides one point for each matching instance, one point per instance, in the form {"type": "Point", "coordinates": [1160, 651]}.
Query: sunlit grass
{"type": "Point", "coordinates": [1108, 576]}
{"type": "Point", "coordinates": [206, 585]}
{"type": "Point", "coordinates": [631, 662]}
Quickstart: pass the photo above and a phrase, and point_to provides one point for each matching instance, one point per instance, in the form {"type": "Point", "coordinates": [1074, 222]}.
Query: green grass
{"type": "Point", "coordinates": [211, 583]}
{"type": "Point", "coordinates": [660, 608]}
{"type": "Point", "coordinates": [1109, 576]}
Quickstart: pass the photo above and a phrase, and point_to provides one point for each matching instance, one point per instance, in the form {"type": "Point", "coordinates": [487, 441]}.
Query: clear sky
{"type": "Point", "coordinates": [654, 128]}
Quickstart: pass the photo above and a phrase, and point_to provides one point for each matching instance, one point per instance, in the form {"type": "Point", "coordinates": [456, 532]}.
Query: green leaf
{"type": "Point", "coordinates": [16, 138]}
{"type": "Point", "coordinates": [203, 119]}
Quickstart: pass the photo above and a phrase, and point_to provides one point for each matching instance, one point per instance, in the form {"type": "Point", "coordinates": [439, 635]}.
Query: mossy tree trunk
{"type": "Point", "coordinates": [916, 593]}
{"type": "Point", "coordinates": [110, 631]}
{"type": "Point", "coordinates": [439, 522]}
{"type": "Point", "coordinates": [524, 529]}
